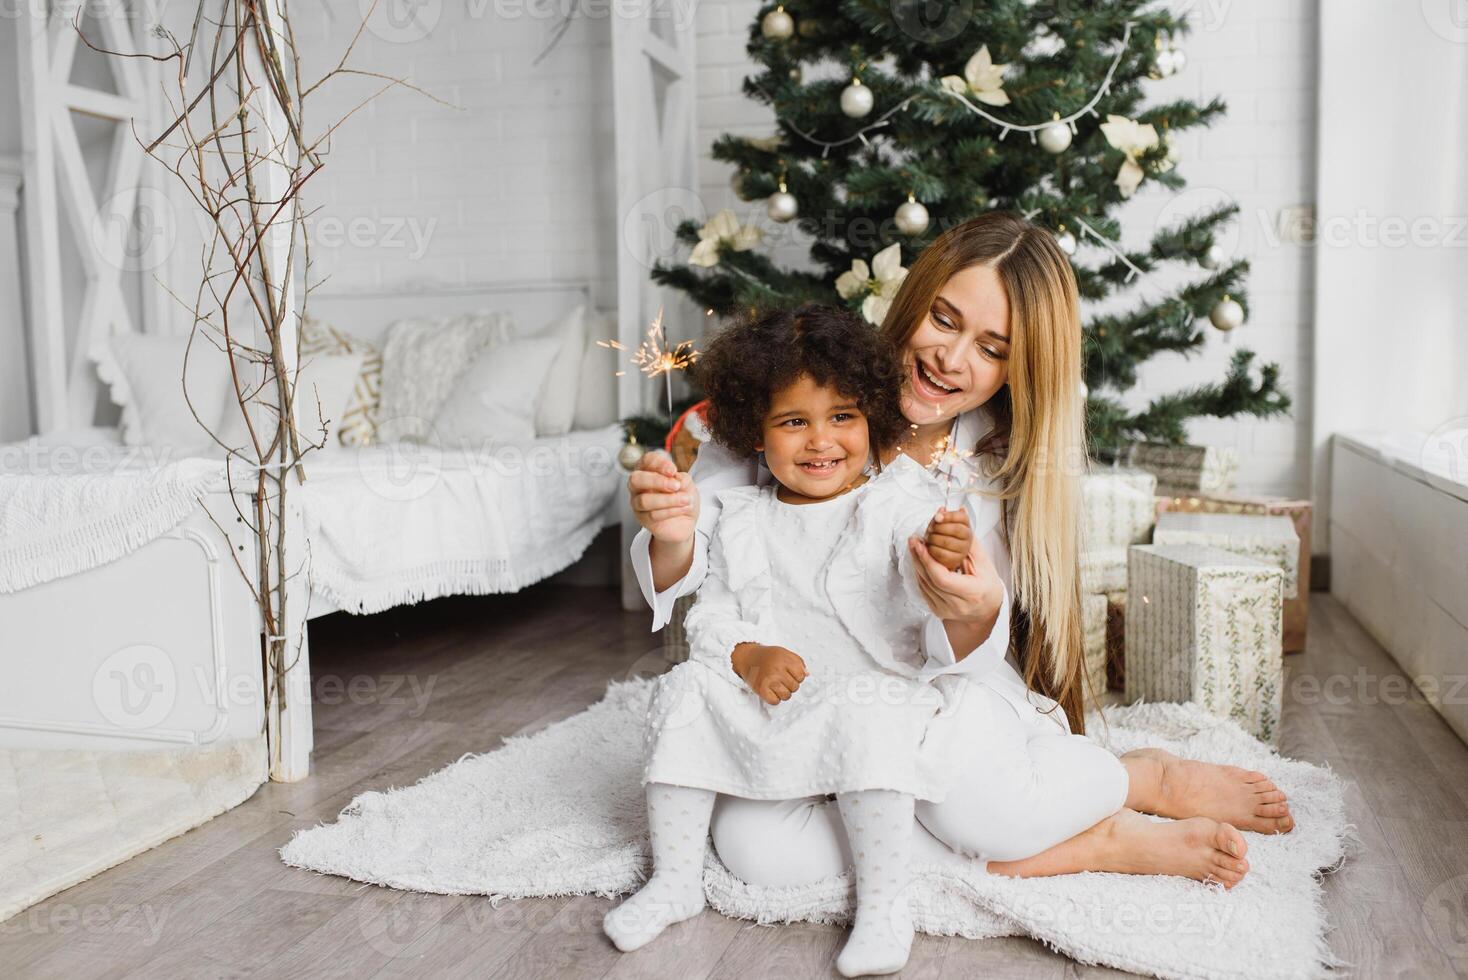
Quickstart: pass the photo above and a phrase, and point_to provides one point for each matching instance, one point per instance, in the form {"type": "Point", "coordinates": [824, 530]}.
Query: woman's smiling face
{"type": "Point", "coordinates": [958, 357]}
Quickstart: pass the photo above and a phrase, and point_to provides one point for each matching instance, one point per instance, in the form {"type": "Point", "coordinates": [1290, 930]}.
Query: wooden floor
{"type": "Point", "coordinates": [406, 692]}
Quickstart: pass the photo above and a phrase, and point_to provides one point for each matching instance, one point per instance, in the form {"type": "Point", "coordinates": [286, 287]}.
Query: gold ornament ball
{"type": "Point", "coordinates": [630, 455]}
{"type": "Point", "coordinates": [777, 25]}
{"type": "Point", "coordinates": [1227, 314]}
{"type": "Point", "coordinates": [856, 99]}
{"type": "Point", "coordinates": [782, 206]}
{"type": "Point", "coordinates": [911, 218]}
{"type": "Point", "coordinates": [1055, 137]}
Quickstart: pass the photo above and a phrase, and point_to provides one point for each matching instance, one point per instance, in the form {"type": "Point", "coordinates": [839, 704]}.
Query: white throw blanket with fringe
{"type": "Point", "coordinates": [53, 525]}
{"type": "Point", "coordinates": [401, 523]}
{"type": "Point", "coordinates": [560, 812]}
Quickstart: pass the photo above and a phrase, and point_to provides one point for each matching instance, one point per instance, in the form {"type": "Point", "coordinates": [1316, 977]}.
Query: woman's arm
{"type": "Point", "coordinates": [670, 553]}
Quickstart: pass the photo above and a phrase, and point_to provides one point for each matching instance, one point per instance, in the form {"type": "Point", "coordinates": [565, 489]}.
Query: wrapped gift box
{"type": "Point", "coordinates": [1093, 642]}
{"type": "Point", "coordinates": [1300, 513]}
{"type": "Point", "coordinates": [1203, 625]}
{"type": "Point", "coordinates": [1103, 570]}
{"type": "Point", "coordinates": [1269, 538]}
{"type": "Point", "coordinates": [1119, 507]}
{"type": "Point", "coordinates": [1116, 641]}
{"type": "Point", "coordinates": [1186, 469]}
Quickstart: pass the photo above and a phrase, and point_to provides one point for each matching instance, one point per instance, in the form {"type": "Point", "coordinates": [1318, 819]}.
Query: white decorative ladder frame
{"type": "Point", "coordinates": [67, 385]}
{"type": "Point", "coordinates": [657, 179]}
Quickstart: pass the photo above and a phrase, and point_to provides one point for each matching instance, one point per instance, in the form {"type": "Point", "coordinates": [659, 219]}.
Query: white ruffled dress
{"type": "Point", "coordinates": [831, 581]}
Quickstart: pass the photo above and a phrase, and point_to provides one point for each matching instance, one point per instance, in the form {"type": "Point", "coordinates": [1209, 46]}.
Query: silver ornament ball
{"type": "Point", "coordinates": [630, 455]}
{"type": "Point", "coordinates": [777, 25]}
{"type": "Point", "coordinates": [1179, 60]}
{"type": "Point", "coordinates": [1066, 242]}
{"type": "Point", "coordinates": [1166, 62]}
{"type": "Point", "coordinates": [857, 100]}
{"type": "Point", "coordinates": [912, 218]}
{"type": "Point", "coordinates": [1227, 314]}
{"type": "Point", "coordinates": [1055, 137]}
{"type": "Point", "coordinates": [1213, 258]}
{"type": "Point", "coordinates": [782, 206]}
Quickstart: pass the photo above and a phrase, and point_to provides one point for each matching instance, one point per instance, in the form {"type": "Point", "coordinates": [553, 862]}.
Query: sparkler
{"type": "Point", "coordinates": [951, 464]}
{"type": "Point", "coordinates": [654, 357]}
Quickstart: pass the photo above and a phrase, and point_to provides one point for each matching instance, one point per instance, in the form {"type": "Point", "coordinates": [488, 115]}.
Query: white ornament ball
{"type": "Point", "coordinates": [857, 100]}
{"type": "Point", "coordinates": [1166, 62]}
{"type": "Point", "coordinates": [1067, 242]}
{"type": "Point", "coordinates": [1213, 258]}
{"type": "Point", "coordinates": [1227, 315]}
{"type": "Point", "coordinates": [1179, 60]}
{"type": "Point", "coordinates": [1055, 138]}
{"type": "Point", "coordinates": [912, 218]}
{"type": "Point", "coordinates": [782, 206]}
{"type": "Point", "coordinates": [777, 25]}
{"type": "Point", "coordinates": [629, 455]}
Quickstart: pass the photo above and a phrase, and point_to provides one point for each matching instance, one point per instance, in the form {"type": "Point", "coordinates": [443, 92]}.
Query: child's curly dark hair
{"type": "Point", "coordinates": [751, 360]}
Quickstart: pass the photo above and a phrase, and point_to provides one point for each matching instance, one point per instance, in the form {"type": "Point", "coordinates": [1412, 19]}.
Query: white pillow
{"type": "Point", "coordinates": [421, 361]}
{"type": "Point", "coordinates": [495, 398]}
{"type": "Point", "coordinates": [596, 397]}
{"type": "Point", "coordinates": [325, 387]}
{"type": "Point", "coordinates": [557, 410]}
{"type": "Point", "coordinates": [145, 375]}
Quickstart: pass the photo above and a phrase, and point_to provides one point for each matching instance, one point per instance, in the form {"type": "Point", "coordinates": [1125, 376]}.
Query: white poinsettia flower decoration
{"type": "Point", "coordinates": [723, 229]}
{"type": "Point", "coordinates": [1133, 139]}
{"type": "Point", "coordinates": [880, 282]}
{"type": "Point", "coordinates": [982, 79]}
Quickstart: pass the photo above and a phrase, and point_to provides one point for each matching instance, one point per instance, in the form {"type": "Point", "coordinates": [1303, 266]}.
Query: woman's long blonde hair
{"type": "Point", "coordinates": [1036, 452]}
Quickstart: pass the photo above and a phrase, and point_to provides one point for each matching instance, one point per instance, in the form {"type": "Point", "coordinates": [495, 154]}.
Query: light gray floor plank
{"type": "Point", "coordinates": [460, 675]}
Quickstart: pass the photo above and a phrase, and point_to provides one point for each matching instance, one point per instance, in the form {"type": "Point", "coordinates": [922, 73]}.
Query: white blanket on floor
{"type": "Point", "coordinates": [60, 523]}
{"type": "Point", "coordinates": [561, 813]}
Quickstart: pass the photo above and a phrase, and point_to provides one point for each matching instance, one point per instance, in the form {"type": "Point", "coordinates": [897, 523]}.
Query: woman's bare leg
{"type": "Point", "coordinates": [1128, 843]}
{"type": "Point", "coordinates": [1161, 783]}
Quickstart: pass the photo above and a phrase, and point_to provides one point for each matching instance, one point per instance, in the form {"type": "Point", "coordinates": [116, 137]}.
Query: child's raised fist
{"type": "Point", "coordinates": [949, 538]}
{"type": "Point", "coordinates": [774, 673]}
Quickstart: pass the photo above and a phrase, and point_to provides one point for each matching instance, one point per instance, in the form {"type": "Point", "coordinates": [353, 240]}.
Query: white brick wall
{"type": "Point", "coordinates": [512, 182]}
{"type": "Point", "coordinates": [1260, 57]}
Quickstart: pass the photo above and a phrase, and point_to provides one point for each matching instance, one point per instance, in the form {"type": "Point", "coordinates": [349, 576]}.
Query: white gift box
{"type": "Point", "coordinates": [1269, 538]}
{"type": "Point", "coordinates": [1118, 508]}
{"type": "Point", "coordinates": [1203, 625]}
{"type": "Point", "coordinates": [1103, 570]}
{"type": "Point", "coordinates": [1186, 469]}
{"type": "Point", "coordinates": [1093, 642]}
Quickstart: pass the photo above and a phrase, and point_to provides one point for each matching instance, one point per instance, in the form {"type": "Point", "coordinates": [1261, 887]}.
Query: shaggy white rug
{"type": "Point", "coordinates": [560, 812]}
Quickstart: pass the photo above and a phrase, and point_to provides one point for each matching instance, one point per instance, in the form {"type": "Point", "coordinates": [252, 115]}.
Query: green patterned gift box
{"type": "Point", "coordinates": [1271, 539]}
{"type": "Point", "coordinates": [1119, 507]}
{"type": "Point", "coordinates": [1203, 625]}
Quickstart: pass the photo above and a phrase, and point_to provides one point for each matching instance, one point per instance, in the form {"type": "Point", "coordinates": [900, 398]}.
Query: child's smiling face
{"type": "Point", "coordinates": [815, 440]}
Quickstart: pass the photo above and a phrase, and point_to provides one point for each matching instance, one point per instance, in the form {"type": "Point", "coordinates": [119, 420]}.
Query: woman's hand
{"type": "Point", "coordinates": [972, 593]}
{"type": "Point", "coordinates": [664, 500]}
{"type": "Point", "coordinates": [774, 673]}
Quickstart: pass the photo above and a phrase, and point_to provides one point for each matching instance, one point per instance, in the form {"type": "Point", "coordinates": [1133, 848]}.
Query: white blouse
{"type": "Point", "coordinates": [717, 470]}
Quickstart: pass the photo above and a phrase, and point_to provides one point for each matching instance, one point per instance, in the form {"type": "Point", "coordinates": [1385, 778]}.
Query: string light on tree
{"type": "Point", "coordinates": [782, 206]}
{"type": "Point", "coordinates": [777, 25]}
{"type": "Point", "coordinates": [911, 217]}
{"type": "Point", "coordinates": [857, 100]}
{"type": "Point", "coordinates": [1227, 314]}
{"type": "Point", "coordinates": [1056, 136]}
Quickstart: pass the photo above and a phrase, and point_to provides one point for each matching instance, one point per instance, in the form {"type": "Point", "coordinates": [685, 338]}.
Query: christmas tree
{"type": "Point", "coordinates": [938, 111]}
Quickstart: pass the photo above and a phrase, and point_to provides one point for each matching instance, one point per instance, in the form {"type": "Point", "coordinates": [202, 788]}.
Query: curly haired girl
{"type": "Point", "coordinates": [811, 600]}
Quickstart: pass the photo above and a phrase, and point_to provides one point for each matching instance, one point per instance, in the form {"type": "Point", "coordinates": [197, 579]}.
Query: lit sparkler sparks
{"type": "Point", "coordinates": [654, 357]}
{"type": "Point", "coordinates": [953, 466]}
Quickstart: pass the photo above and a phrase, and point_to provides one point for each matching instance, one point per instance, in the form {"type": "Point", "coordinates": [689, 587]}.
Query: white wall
{"type": "Point", "coordinates": [1392, 349]}
{"type": "Point", "coordinates": [1261, 58]}
{"type": "Point", "coordinates": [512, 183]}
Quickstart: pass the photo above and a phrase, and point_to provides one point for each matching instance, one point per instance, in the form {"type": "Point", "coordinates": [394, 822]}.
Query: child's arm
{"type": "Point", "coordinates": [722, 638]}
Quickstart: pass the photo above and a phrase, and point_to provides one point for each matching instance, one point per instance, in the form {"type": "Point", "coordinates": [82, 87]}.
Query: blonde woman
{"type": "Point", "coordinates": [989, 326]}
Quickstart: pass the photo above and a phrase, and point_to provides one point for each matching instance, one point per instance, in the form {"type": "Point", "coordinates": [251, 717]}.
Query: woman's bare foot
{"type": "Point", "coordinates": [1168, 786]}
{"type": "Point", "coordinates": [1128, 843]}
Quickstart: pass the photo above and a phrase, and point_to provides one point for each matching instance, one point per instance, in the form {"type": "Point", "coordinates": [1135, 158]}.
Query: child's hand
{"type": "Point", "coordinates": [949, 538]}
{"type": "Point", "coordinates": [664, 500]}
{"type": "Point", "coordinates": [774, 673]}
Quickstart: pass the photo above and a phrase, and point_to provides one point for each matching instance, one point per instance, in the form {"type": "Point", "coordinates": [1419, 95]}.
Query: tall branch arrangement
{"type": "Point", "coordinates": [239, 144]}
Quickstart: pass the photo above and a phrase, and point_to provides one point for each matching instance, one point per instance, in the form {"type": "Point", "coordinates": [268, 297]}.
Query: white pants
{"type": "Point", "coordinates": [1027, 786]}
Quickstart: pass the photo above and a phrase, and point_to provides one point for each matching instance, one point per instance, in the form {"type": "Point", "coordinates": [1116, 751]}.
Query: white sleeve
{"type": "Point", "coordinates": [940, 658]}
{"type": "Point", "coordinates": [716, 469]}
{"type": "Point", "coordinates": [716, 624]}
